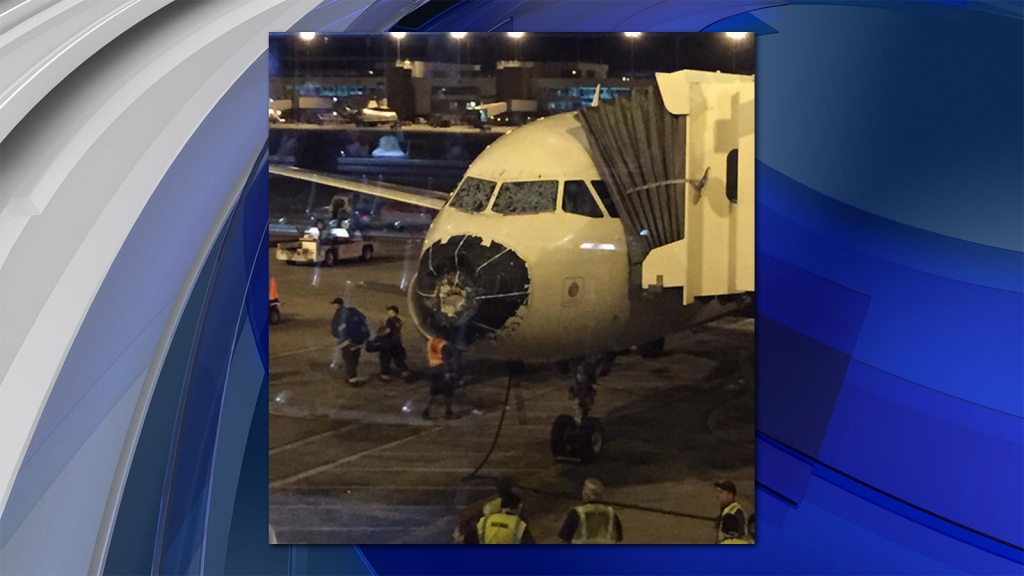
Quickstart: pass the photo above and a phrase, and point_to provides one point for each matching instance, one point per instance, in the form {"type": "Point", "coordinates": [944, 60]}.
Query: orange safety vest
{"type": "Point", "coordinates": [273, 288]}
{"type": "Point", "coordinates": [434, 347]}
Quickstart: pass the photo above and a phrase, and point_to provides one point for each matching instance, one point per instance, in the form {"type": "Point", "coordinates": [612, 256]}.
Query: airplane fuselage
{"type": "Point", "coordinates": [522, 279]}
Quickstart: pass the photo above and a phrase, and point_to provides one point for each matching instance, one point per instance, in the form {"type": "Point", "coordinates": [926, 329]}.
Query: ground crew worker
{"type": "Point", "coordinates": [314, 233]}
{"type": "Point", "coordinates": [732, 528]}
{"type": "Point", "coordinates": [593, 522]}
{"type": "Point", "coordinates": [443, 360]}
{"type": "Point", "coordinates": [465, 532]}
{"type": "Point", "coordinates": [349, 328]}
{"type": "Point", "coordinates": [729, 507]}
{"type": "Point", "coordinates": [389, 339]}
{"type": "Point", "coordinates": [336, 322]}
{"type": "Point", "coordinates": [505, 527]}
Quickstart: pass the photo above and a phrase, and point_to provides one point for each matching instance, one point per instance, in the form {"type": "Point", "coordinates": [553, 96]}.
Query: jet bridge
{"type": "Point", "coordinates": [679, 163]}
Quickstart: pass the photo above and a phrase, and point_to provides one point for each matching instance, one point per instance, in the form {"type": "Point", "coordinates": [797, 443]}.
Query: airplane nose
{"type": "Point", "coordinates": [468, 289]}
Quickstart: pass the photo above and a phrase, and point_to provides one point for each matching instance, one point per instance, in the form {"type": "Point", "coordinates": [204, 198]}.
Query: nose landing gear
{"type": "Point", "coordinates": [579, 437]}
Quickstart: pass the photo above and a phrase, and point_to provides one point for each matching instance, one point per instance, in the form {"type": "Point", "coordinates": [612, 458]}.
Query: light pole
{"type": "Point", "coordinates": [735, 39]}
{"type": "Point", "coordinates": [517, 38]}
{"type": "Point", "coordinates": [633, 36]}
{"type": "Point", "coordinates": [306, 38]}
{"type": "Point", "coordinates": [458, 36]}
{"type": "Point", "coordinates": [398, 36]}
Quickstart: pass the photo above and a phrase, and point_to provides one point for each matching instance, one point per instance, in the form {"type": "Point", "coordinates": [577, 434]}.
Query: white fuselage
{"type": "Point", "coordinates": [581, 298]}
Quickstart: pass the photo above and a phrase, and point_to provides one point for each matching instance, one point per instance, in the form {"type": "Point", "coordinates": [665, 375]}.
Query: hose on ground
{"type": "Point", "coordinates": [497, 433]}
{"type": "Point", "coordinates": [562, 495]}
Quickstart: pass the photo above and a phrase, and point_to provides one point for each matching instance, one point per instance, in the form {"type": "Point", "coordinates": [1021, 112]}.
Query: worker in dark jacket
{"type": "Point", "coordinates": [336, 322]}
{"type": "Point", "coordinates": [729, 507]}
{"type": "Point", "coordinates": [731, 530]}
{"type": "Point", "coordinates": [389, 343]}
{"type": "Point", "coordinates": [349, 327]}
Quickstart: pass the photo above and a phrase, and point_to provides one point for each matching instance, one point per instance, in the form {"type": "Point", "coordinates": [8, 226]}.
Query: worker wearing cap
{"type": "Point", "coordinates": [346, 348]}
{"type": "Point", "coordinates": [389, 338]}
{"type": "Point", "coordinates": [729, 507]}
{"type": "Point", "coordinates": [505, 527]}
{"type": "Point", "coordinates": [732, 529]}
{"type": "Point", "coordinates": [593, 522]}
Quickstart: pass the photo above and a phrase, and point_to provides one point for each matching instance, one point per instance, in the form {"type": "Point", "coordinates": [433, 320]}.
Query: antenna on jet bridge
{"type": "Point", "coordinates": [597, 97]}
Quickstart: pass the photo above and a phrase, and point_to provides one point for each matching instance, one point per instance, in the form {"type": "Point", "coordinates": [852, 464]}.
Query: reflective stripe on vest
{"type": "Point", "coordinates": [501, 528]}
{"type": "Point", "coordinates": [731, 509]}
{"type": "Point", "coordinates": [434, 355]}
{"type": "Point", "coordinates": [597, 525]}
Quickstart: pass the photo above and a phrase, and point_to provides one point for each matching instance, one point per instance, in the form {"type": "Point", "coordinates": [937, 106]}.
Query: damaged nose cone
{"type": "Point", "coordinates": [467, 290]}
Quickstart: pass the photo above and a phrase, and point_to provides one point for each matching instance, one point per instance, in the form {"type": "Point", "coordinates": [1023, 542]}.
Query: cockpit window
{"type": "Point", "coordinates": [606, 198]}
{"type": "Point", "coordinates": [526, 197]}
{"type": "Point", "coordinates": [473, 195]}
{"type": "Point", "coordinates": [576, 199]}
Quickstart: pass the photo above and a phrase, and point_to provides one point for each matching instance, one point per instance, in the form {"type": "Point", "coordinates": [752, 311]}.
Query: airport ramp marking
{"type": "Point", "coordinates": [313, 438]}
{"type": "Point", "coordinates": [294, 352]}
{"type": "Point", "coordinates": [324, 467]}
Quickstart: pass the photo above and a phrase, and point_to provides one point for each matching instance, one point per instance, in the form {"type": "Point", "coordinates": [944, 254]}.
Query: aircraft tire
{"type": "Point", "coordinates": [330, 258]}
{"type": "Point", "coordinates": [367, 254]}
{"type": "Point", "coordinates": [590, 440]}
{"type": "Point", "coordinates": [275, 315]}
{"type": "Point", "coordinates": [563, 434]}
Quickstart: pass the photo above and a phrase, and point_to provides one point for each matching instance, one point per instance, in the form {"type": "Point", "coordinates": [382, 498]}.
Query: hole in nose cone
{"type": "Point", "coordinates": [467, 290]}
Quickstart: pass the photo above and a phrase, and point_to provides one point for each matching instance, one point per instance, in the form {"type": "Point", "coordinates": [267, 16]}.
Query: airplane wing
{"type": "Point", "coordinates": [405, 194]}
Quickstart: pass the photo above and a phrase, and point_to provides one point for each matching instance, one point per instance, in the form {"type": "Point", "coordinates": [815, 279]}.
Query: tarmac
{"type": "Point", "coordinates": [358, 465]}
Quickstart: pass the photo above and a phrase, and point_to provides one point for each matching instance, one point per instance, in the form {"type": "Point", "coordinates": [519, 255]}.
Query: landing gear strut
{"type": "Point", "coordinates": [580, 437]}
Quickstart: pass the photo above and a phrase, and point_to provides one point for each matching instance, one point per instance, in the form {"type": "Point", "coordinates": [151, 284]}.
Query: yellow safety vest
{"type": "Point", "coordinates": [597, 525]}
{"type": "Point", "coordinates": [492, 507]}
{"type": "Point", "coordinates": [735, 541]}
{"type": "Point", "coordinates": [730, 509]}
{"type": "Point", "coordinates": [501, 528]}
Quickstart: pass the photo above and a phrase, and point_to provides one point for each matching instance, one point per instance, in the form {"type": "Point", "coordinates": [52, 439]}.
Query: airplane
{"type": "Point", "coordinates": [528, 261]}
